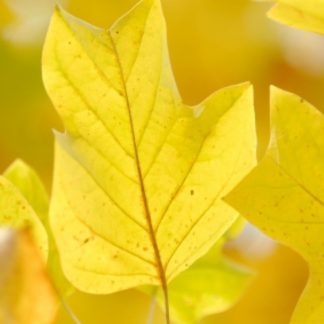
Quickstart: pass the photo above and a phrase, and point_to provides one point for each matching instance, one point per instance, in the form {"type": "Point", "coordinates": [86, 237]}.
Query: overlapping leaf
{"type": "Point", "coordinates": [307, 15]}
{"type": "Point", "coordinates": [138, 175]}
{"type": "Point", "coordinates": [284, 195]}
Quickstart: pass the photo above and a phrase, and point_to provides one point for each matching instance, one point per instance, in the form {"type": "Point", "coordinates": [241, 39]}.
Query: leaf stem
{"type": "Point", "coordinates": [166, 303]}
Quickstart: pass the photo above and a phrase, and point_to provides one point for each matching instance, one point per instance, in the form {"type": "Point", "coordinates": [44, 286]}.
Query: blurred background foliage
{"type": "Point", "coordinates": [213, 43]}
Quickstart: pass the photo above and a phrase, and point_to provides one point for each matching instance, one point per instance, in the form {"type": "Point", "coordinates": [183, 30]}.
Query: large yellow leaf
{"type": "Point", "coordinates": [26, 294]}
{"type": "Point", "coordinates": [138, 175]}
{"type": "Point", "coordinates": [304, 14]}
{"type": "Point", "coordinates": [284, 195]}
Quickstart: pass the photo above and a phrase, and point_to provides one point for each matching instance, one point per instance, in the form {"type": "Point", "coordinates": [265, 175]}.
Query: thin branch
{"type": "Point", "coordinates": [69, 311]}
{"type": "Point", "coordinates": [152, 308]}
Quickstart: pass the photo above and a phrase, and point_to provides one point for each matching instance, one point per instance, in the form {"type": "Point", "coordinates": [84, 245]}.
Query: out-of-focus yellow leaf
{"type": "Point", "coordinates": [16, 212]}
{"type": "Point", "coordinates": [26, 294]}
{"type": "Point", "coordinates": [307, 15]}
{"type": "Point", "coordinates": [284, 195]}
{"type": "Point", "coordinates": [211, 285]}
{"type": "Point", "coordinates": [26, 180]}
{"type": "Point", "coordinates": [138, 175]}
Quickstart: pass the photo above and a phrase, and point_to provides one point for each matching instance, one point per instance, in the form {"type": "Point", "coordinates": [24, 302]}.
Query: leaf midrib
{"type": "Point", "coordinates": [148, 217]}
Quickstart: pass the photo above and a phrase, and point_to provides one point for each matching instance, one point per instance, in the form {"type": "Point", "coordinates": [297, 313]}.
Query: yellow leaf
{"type": "Point", "coordinates": [26, 294]}
{"type": "Point", "coordinates": [304, 14]}
{"type": "Point", "coordinates": [284, 195]}
{"type": "Point", "coordinates": [138, 174]}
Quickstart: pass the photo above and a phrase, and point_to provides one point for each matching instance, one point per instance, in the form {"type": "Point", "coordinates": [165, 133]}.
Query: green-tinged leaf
{"type": "Point", "coordinates": [303, 14]}
{"type": "Point", "coordinates": [284, 195]}
{"type": "Point", "coordinates": [26, 293]}
{"type": "Point", "coordinates": [139, 176]}
{"type": "Point", "coordinates": [211, 285]}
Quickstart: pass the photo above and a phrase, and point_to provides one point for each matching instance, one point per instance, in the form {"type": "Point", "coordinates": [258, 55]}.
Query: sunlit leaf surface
{"type": "Point", "coordinates": [139, 176]}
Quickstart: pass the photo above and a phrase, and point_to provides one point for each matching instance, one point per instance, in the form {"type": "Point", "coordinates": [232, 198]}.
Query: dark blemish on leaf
{"type": "Point", "coordinates": [301, 100]}
{"type": "Point", "coordinates": [192, 192]}
{"type": "Point", "coordinates": [86, 240]}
